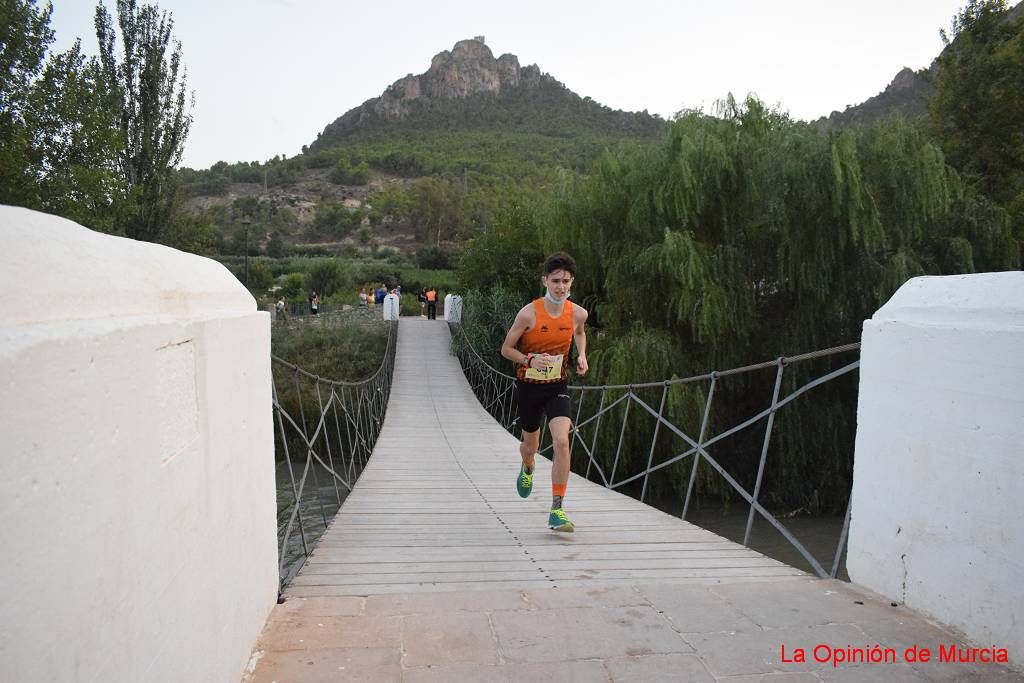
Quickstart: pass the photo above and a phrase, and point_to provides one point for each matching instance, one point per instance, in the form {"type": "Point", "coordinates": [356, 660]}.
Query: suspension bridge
{"type": "Point", "coordinates": [144, 415]}
{"type": "Point", "coordinates": [435, 569]}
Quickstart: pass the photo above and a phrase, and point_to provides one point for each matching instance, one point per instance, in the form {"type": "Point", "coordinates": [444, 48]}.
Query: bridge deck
{"type": "Point", "coordinates": [435, 569]}
{"type": "Point", "coordinates": [436, 507]}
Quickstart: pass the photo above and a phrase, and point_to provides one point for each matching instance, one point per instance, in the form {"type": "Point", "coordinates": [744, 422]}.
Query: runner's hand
{"type": "Point", "coordinates": [541, 362]}
{"type": "Point", "coordinates": [581, 365]}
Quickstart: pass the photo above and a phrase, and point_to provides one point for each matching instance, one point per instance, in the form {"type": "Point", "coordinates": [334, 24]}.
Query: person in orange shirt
{"type": "Point", "coordinates": [538, 343]}
{"type": "Point", "coordinates": [431, 304]}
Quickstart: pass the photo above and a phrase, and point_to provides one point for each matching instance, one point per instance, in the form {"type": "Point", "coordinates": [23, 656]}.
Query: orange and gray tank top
{"type": "Point", "coordinates": [549, 335]}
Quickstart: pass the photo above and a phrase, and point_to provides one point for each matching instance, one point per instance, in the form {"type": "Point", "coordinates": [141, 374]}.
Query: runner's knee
{"type": "Point", "coordinates": [561, 441]}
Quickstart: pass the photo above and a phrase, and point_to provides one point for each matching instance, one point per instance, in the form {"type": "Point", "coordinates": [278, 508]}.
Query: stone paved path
{"type": "Point", "coordinates": [435, 570]}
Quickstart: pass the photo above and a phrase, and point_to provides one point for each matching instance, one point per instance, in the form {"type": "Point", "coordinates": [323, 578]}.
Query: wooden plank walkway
{"type": "Point", "coordinates": [437, 509]}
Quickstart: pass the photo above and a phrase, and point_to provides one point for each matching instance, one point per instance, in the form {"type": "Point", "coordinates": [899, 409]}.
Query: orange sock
{"type": "Point", "coordinates": [557, 491]}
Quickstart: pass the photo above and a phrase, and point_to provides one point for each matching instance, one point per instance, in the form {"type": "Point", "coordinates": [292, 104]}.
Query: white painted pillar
{"type": "Point", "coordinates": [392, 307]}
{"type": "Point", "coordinates": [937, 512]}
{"type": "Point", "coordinates": [453, 308]}
{"type": "Point", "coordinates": [137, 496]}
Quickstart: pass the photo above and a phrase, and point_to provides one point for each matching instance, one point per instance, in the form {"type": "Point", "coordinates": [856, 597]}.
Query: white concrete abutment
{"type": "Point", "coordinates": [137, 497]}
{"type": "Point", "coordinates": [938, 487]}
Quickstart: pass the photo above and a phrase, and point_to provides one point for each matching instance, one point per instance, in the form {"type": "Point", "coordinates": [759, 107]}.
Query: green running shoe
{"type": "Point", "coordinates": [558, 521]}
{"type": "Point", "coordinates": [524, 483]}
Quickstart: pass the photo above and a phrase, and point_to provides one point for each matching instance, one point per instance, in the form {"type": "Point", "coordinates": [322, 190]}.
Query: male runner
{"type": "Point", "coordinates": [544, 330]}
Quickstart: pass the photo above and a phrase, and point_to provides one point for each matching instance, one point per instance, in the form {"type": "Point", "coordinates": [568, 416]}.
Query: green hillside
{"type": "Point", "coordinates": [426, 163]}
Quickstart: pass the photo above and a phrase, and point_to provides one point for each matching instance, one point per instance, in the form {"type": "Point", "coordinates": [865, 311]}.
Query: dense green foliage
{"type": "Point", "coordinates": [327, 277]}
{"type": "Point", "coordinates": [148, 89]}
{"type": "Point", "coordinates": [96, 139]}
{"type": "Point", "coordinates": [977, 113]}
{"type": "Point", "coordinates": [456, 181]}
{"type": "Point", "coordinates": [57, 138]}
{"type": "Point", "coordinates": [344, 174]}
{"type": "Point", "coordinates": [546, 107]}
{"type": "Point", "coordinates": [346, 347]}
{"type": "Point", "coordinates": [742, 238]}
{"type": "Point", "coordinates": [506, 255]}
{"type": "Point", "coordinates": [486, 316]}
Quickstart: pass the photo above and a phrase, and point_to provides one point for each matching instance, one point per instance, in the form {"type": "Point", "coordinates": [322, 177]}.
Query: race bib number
{"type": "Point", "coordinates": [554, 371]}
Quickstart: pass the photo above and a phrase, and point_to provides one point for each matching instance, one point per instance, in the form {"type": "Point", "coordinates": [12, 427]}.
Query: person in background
{"type": "Point", "coordinates": [314, 302]}
{"type": "Point", "coordinates": [431, 304]}
{"type": "Point", "coordinates": [422, 297]}
{"type": "Point", "coordinates": [362, 298]}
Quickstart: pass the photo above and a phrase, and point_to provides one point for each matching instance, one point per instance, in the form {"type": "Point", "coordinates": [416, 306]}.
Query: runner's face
{"type": "Point", "coordinates": [557, 282]}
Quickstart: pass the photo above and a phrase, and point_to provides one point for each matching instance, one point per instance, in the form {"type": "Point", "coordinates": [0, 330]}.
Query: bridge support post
{"type": "Point", "coordinates": [137, 477]}
{"type": "Point", "coordinates": [938, 475]}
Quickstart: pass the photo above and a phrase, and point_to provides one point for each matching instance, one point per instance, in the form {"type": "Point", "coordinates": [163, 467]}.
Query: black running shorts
{"type": "Point", "coordinates": [535, 400]}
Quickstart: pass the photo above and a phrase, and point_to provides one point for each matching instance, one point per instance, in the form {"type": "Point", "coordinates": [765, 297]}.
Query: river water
{"type": "Point", "coordinates": [819, 534]}
{"type": "Point", "coordinates": [319, 503]}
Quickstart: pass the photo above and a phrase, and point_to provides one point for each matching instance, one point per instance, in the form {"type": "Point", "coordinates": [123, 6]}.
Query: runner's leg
{"type": "Point", "coordinates": [560, 427]}
{"type": "Point", "coordinates": [530, 409]}
{"type": "Point", "coordinates": [528, 449]}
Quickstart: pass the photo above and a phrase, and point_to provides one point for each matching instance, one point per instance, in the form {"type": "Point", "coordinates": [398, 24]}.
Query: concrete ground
{"type": "Point", "coordinates": [645, 632]}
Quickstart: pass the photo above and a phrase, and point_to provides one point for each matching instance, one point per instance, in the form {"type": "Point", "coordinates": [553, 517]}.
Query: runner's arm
{"type": "Point", "coordinates": [579, 335]}
{"type": "Point", "coordinates": [508, 347]}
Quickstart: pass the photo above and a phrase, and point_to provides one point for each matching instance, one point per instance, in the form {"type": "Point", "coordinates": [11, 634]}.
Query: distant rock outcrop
{"type": "Point", "coordinates": [907, 95]}
{"type": "Point", "coordinates": [469, 68]}
{"type": "Point", "coordinates": [468, 86]}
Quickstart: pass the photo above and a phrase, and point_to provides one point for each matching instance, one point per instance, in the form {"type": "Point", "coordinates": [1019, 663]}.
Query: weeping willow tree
{"type": "Point", "coordinates": [747, 236]}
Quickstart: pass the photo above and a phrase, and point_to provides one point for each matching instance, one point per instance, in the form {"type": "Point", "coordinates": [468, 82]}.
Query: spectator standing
{"type": "Point", "coordinates": [431, 304]}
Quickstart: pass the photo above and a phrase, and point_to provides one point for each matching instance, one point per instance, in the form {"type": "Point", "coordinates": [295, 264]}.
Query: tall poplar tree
{"type": "Point", "coordinates": [25, 37]}
{"type": "Point", "coordinates": [148, 87]}
{"type": "Point", "coordinates": [57, 137]}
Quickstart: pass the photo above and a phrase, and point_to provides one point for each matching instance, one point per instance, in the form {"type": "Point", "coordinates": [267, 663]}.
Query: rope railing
{"type": "Point", "coordinates": [324, 425]}
{"type": "Point", "coordinates": [496, 393]}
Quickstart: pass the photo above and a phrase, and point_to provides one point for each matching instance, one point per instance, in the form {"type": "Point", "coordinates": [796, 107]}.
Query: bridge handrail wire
{"type": "Point", "coordinates": [342, 452]}
{"type": "Point", "coordinates": [496, 392]}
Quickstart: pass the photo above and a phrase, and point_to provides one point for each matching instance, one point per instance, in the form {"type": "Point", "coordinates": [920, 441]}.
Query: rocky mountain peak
{"type": "Point", "coordinates": [906, 78]}
{"type": "Point", "coordinates": [468, 86]}
{"type": "Point", "coordinates": [468, 68]}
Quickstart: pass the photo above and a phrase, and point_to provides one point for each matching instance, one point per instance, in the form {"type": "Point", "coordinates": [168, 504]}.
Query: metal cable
{"type": "Point", "coordinates": [362, 405]}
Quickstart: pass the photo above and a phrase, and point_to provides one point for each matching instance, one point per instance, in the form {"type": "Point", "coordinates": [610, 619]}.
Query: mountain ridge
{"type": "Point", "coordinates": [907, 94]}
{"type": "Point", "coordinates": [468, 86]}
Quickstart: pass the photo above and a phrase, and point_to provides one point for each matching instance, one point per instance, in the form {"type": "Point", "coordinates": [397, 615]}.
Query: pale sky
{"type": "Point", "coordinates": [270, 74]}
